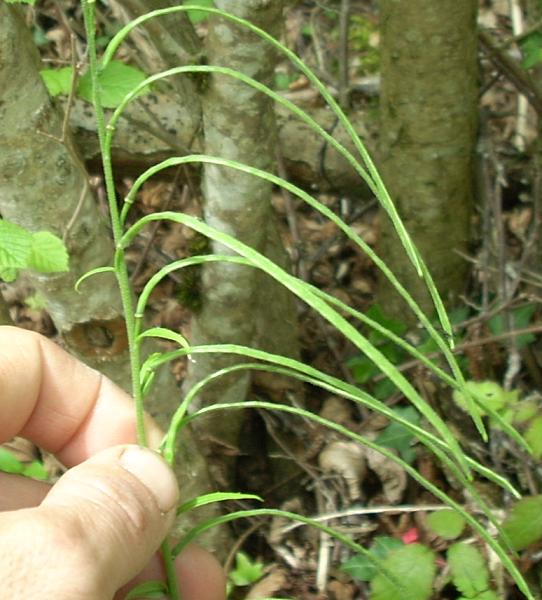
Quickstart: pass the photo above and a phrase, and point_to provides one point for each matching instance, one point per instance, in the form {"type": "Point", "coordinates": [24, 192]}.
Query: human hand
{"type": "Point", "coordinates": [99, 526]}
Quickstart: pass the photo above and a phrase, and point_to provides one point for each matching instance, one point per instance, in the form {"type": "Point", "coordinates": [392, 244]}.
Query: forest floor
{"type": "Point", "coordinates": [496, 326]}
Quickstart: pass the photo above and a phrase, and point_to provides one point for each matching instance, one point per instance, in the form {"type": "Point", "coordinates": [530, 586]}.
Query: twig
{"type": "Point", "coordinates": [406, 366]}
{"type": "Point", "coordinates": [297, 252]}
{"type": "Point", "coordinates": [512, 71]}
{"type": "Point", "coordinates": [372, 510]}
{"type": "Point", "coordinates": [516, 16]}
{"type": "Point", "coordinates": [344, 73]}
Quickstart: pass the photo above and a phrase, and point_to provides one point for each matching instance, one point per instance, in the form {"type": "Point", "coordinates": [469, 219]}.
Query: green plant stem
{"type": "Point", "coordinates": [121, 270]}
{"type": "Point", "coordinates": [169, 565]}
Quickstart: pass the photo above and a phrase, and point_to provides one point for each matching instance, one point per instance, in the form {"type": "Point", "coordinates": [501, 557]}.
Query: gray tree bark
{"type": "Point", "coordinates": [43, 187]}
{"type": "Point", "coordinates": [428, 134]}
{"type": "Point", "coordinates": [240, 305]}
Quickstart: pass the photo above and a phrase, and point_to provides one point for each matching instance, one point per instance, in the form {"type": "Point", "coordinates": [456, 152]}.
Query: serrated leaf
{"type": "Point", "coordinates": [523, 525]}
{"type": "Point", "coordinates": [490, 395]}
{"type": "Point", "coordinates": [48, 253]}
{"type": "Point", "coordinates": [57, 81]}
{"type": "Point", "coordinates": [360, 566]}
{"type": "Point", "coordinates": [376, 314]}
{"type": "Point", "coordinates": [114, 82]}
{"type": "Point", "coordinates": [9, 463]}
{"type": "Point", "coordinates": [413, 567]}
{"type": "Point", "coordinates": [469, 572]}
{"type": "Point", "coordinates": [246, 572]}
{"type": "Point", "coordinates": [197, 16]}
{"type": "Point", "coordinates": [15, 245]}
{"type": "Point", "coordinates": [446, 523]}
{"type": "Point", "coordinates": [149, 589]}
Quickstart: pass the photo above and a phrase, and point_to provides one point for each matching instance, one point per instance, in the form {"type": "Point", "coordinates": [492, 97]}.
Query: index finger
{"type": "Point", "coordinates": [60, 404]}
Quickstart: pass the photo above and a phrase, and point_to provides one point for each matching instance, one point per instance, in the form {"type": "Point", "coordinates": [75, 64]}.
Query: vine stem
{"type": "Point", "coordinates": [121, 270]}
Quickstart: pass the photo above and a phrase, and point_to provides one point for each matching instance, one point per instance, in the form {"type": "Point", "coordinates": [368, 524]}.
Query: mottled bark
{"type": "Point", "coordinates": [239, 125]}
{"type": "Point", "coordinates": [428, 133]}
{"type": "Point", "coordinates": [43, 187]}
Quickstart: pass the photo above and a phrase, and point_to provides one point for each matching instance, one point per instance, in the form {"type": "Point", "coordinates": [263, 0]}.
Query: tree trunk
{"type": "Point", "coordinates": [43, 187]}
{"type": "Point", "coordinates": [428, 135]}
{"type": "Point", "coordinates": [239, 125]}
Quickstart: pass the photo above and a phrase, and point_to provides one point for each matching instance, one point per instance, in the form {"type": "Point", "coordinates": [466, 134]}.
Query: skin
{"type": "Point", "coordinates": [96, 531]}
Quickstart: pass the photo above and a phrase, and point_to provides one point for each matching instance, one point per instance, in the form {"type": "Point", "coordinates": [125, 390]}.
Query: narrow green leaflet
{"type": "Point", "coordinates": [115, 81]}
{"type": "Point", "coordinates": [149, 589]}
{"type": "Point", "coordinates": [31, 2]}
{"type": "Point", "coordinates": [57, 81]}
{"type": "Point", "coordinates": [523, 526]}
{"type": "Point", "coordinates": [446, 523]}
{"type": "Point", "coordinates": [48, 253]}
{"type": "Point", "coordinates": [414, 566]}
{"type": "Point", "coordinates": [469, 572]}
{"type": "Point", "coordinates": [9, 463]}
{"type": "Point", "coordinates": [15, 245]}
{"type": "Point", "coordinates": [197, 16]}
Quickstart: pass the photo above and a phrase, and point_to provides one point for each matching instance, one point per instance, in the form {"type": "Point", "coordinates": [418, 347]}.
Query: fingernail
{"type": "Point", "coordinates": [154, 473]}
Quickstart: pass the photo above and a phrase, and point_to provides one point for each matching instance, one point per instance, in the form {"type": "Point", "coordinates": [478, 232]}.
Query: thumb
{"type": "Point", "coordinates": [97, 528]}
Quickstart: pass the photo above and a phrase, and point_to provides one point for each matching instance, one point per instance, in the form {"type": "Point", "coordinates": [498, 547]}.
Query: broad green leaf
{"type": "Point", "coordinates": [399, 437]}
{"type": "Point", "coordinates": [469, 572]}
{"type": "Point", "coordinates": [523, 525]}
{"type": "Point", "coordinates": [15, 245]}
{"type": "Point", "coordinates": [446, 523]}
{"type": "Point", "coordinates": [521, 318]}
{"type": "Point", "coordinates": [197, 16]}
{"type": "Point", "coordinates": [8, 275]}
{"type": "Point", "coordinates": [9, 463]}
{"type": "Point", "coordinates": [361, 568]}
{"type": "Point", "coordinates": [414, 566]}
{"type": "Point", "coordinates": [533, 436]}
{"type": "Point", "coordinates": [57, 81]}
{"type": "Point", "coordinates": [36, 302]}
{"type": "Point", "coordinates": [246, 572]}
{"type": "Point", "coordinates": [490, 395]}
{"type": "Point", "coordinates": [115, 81]}
{"type": "Point", "coordinates": [531, 48]}
{"type": "Point", "coordinates": [31, 2]}
{"type": "Point", "coordinates": [149, 589]}
{"type": "Point", "coordinates": [362, 368]}
{"type": "Point", "coordinates": [376, 313]}
{"type": "Point", "coordinates": [48, 253]}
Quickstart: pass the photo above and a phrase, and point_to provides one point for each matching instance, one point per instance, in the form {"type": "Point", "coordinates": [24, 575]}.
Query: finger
{"type": "Point", "coordinates": [96, 529]}
{"type": "Point", "coordinates": [199, 574]}
{"type": "Point", "coordinates": [18, 492]}
{"type": "Point", "coordinates": [59, 403]}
